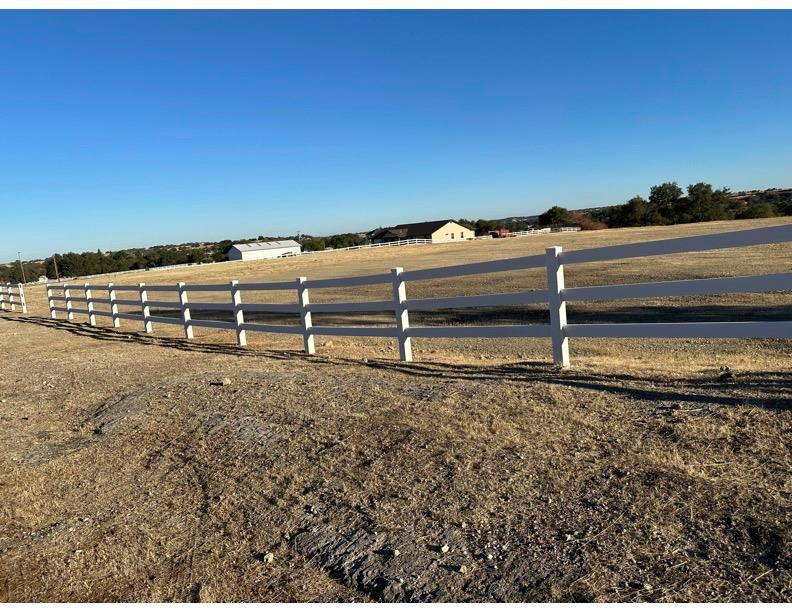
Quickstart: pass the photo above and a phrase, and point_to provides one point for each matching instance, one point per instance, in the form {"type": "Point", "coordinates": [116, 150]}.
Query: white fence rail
{"type": "Point", "coordinates": [544, 230]}
{"type": "Point", "coordinates": [530, 232]}
{"type": "Point", "coordinates": [12, 296]}
{"type": "Point", "coordinates": [556, 296]}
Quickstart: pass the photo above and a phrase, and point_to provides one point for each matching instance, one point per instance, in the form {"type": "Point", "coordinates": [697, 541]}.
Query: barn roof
{"type": "Point", "coordinates": [264, 246]}
{"type": "Point", "coordinates": [422, 228]}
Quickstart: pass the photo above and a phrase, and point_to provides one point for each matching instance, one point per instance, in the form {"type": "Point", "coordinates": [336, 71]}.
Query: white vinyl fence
{"type": "Point", "coordinates": [544, 230]}
{"type": "Point", "coordinates": [530, 232]}
{"type": "Point", "coordinates": [11, 296]}
{"type": "Point", "coordinates": [556, 296]}
{"type": "Point", "coordinates": [380, 245]}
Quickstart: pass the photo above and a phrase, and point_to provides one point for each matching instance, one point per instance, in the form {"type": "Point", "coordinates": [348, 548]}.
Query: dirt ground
{"type": "Point", "coordinates": [145, 467]}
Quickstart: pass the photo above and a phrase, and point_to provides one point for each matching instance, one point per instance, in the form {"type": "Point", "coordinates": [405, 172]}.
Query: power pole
{"type": "Point", "coordinates": [21, 267]}
{"type": "Point", "coordinates": [55, 263]}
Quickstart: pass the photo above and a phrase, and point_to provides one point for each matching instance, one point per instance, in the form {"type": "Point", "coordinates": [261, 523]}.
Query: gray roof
{"type": "Point", "coordinates": [412, 230]}
{"type": "Point", "coordinates": [263, 246]}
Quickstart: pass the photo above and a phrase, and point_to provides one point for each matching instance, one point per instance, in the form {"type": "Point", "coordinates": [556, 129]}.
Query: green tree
{"type": "Point", "coordinates": [705, 204]}
{"type": "Point", "coordinates": [342, 241]}
{"type": "Point", "coordinates": [635, 211]}
{"type": "Point", "coordinates": [220, 251]}
{"type": "Point", "coordinates": [555, 215]}
{"type": "Point", "coordinates": [781, 201]}
{"type": "Point", "coordinates": [664, 198]}
{"type": "Point", "coordinates": [758, 210]}
{"type": "Point", "coordinates": [483, 226]}
{"type": "Point", "coordinates": [313, 244]}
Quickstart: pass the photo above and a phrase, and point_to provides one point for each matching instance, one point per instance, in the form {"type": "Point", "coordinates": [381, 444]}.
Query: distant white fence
{"type": "Point", "coordinates": [395, 243]}
{"type": "Point", "coordinates": [12, 296]}
{"type": "Point", "coordinates": [530, 232]}
{"type": "Point", "coordinates": [544, 230]}
{"type": "Point", "coordinates": [556, 296]}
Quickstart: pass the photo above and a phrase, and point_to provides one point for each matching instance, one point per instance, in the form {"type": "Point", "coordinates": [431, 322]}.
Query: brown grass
{"type": "Point", "coordinates": [639, 475]}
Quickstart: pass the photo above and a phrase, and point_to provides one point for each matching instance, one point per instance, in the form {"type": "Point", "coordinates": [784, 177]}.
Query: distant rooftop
{"type": "Point", "coordinates": [263, 246]}
{"type": "Point", "coordinates": [409, 230]}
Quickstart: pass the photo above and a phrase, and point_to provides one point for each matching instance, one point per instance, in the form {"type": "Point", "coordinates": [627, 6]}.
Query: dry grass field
{"type": "Point", "coordinates": [130, 470]}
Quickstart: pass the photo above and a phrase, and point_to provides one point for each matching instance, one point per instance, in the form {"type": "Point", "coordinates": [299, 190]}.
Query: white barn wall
{"type": "Point", "coordinates": [263, 250]}
{"type": "Point", "coordinates": [263, 254]}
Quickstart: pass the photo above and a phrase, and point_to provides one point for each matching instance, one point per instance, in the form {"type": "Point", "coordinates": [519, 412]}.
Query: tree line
{"type": "Point", "coordinates": [68, 265]}
{"type": "Point", "coordinates": [96, 262]}
{"type": "Point", "coordinates": [11, 273]}
{"type": "Point", "coordinates": [338, 241]}
{"type": "Point", "coordinates": [553, 217]}
{"type": "Point", "coordinates": [668, 204]}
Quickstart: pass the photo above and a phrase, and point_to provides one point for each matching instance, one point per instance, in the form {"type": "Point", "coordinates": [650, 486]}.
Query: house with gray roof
{"type": "Point", "coordinates": [445, 230]}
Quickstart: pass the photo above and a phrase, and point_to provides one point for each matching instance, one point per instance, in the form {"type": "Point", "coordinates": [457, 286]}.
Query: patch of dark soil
{"type": "Point", "coordinates": [403, 566]}
{"type": "Point", "coordinates": [194, 594]}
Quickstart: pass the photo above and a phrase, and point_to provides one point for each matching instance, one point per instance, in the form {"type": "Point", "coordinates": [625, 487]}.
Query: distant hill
{"type": "Point", "coordinates": [775, 195]}
{"type": "Point", "coordinates": [597, 212]}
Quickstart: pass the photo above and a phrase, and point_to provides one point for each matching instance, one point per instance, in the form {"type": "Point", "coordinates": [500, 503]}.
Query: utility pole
{"type": "Point", "coordinates": [21, 267]}
{"type": "Point", "coordinates": [55, 263]}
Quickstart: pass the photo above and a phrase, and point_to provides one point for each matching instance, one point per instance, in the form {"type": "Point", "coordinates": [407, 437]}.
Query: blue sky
{"type": "Point", "coordinates": [125, 128]}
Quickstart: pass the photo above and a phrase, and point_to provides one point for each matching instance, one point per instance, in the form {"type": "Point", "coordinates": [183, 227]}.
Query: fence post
{"type": "Point", "coordinates": [144, 307]}
{"type": "Point", "coordinates": [89, 302]}
{"type": "Point", "coordinates": [239, 315]}
{"type": "Point", "coordinates": [402, 315]}
{"type": "Point", "coordinates": [11, 302]}
{"type": "Point", "coordinates": [188, 329]}
{"type": "Point", "coordinates": [22, 301]}
{"type": "Point", "coordinates": [67, 297]}
{"type": "Point", "coordinates": [558, 318]}
{"type": "Point", "coordinates": [113, 306]}
{"type": "Point", "coordinates": [2, 297]}
{"type": "Point", "coordinates": [305, 316]}
{"type": "Point", "coordinates": [51, 302]}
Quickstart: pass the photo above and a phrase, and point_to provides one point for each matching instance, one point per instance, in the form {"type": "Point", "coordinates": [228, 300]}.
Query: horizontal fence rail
{"type": "Point", "coordinates": [556, 296]}
{"type": "Point", "coordinates": [12, 296]}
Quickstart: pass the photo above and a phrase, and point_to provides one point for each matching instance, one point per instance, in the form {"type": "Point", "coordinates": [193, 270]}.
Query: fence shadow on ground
{"type": "Point", "coordinates": [772, 390]}
{"type": "Point", "coordinates": [523, 315]}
